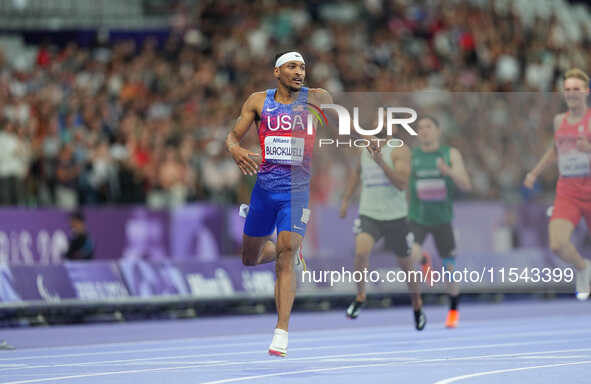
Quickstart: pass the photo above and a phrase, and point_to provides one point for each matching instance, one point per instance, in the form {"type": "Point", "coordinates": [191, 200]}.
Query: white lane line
{"type": "Point", "coordinates": [523, 355]}
{"type": "Point", "coordinates": [204, 343]}
{"type": "Point", "coordinates": [410, 337]}
{"type": "Point", "coordinates": [323, 347]}
{"type": "Point", "coordinates": [96, 375]}
{"type": "Point", "coordinates": [298, 372]}
{"type": "Point", "coordinates": [181, 340]}
{"type": "Point", "coordinates": [346, 330]}
{"type": "Point", "coordinates": [316, 370]}
{"type": "Point", "coordinates": [245, 378]}
{"type": "Point", "coordinates": [556, 357]}
{"type": "Point", "coordinates": [500, 324]}
{"type": "Point", "coordinates": [445, 349]}
{"type": "Point", "coordinates": [486, 373]}
{"type": "Point", "coordinates": [160, 359]}
{"type": "Point", "coordinates": [271, 361]}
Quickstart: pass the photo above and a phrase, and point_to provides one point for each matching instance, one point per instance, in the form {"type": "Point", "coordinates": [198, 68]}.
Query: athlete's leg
{"type": "Point", "coordinates": [292, 218]}
{"type": "Point", "coordinates": [565, 217]}
{"type": "Point", "coordinates": [364, 243]}
{"type": "Point", "coordinates": [418, 234]}
{"type": "Point", "coordinates": [367, 233]}
{"type": "Point", "coordinates": [445, 243]}
{"type": "Point", "coordinates": [401, 241]}
{"type": "Point", "coordinates": [560, 231]}
{"type": "Point", "coordinates": [416, 253]}
{"type": "Point", "coordinates": [258, 250]}
{"type": "Point", "coordinates": [560, 243]}
{"type": "Point", "coordinates": [446, 247]}
{"type": "Point", "coordinates": [287, 245]}
{"type": "Point", "coordinates": [257, 246]}
{"type": "Point", "coordinates": [407, 264]}
{"type": "Point", "coordinates": [285, 289]}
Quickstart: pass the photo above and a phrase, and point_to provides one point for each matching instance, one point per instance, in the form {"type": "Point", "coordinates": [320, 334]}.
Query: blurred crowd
{"type": "Point", "coordinates": [145, 123]}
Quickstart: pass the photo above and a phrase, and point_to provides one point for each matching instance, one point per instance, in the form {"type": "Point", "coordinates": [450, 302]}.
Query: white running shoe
{"type": "Point", "coordinates": [4, 345]}
{"type": "Point", "coordinates": [278, 345]}
{"type": "Point", "coordinates": [583, 282]}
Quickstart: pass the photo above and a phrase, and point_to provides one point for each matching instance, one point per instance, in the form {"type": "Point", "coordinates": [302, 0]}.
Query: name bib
{"type": "Point", "coordinates": [284, 150]}
{"type": "Point", "coordinates": [574, 164]}
{"type": "Point", "coordinates": [431, 189]}
{"type": "Point", "coordinates": [374, 176]}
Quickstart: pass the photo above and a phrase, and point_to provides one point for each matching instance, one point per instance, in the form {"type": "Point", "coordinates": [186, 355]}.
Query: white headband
{"type": "Point", "coordinates": [289, 56]}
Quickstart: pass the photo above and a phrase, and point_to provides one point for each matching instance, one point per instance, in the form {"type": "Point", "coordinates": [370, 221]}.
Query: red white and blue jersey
{"type": "Point", "coordinates": [574, 165]}
{"type": "Point", "coordinates": [286, 145]}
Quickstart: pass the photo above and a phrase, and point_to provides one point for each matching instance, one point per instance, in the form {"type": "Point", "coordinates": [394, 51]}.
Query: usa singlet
{"type": "Point", "coordinates": [286, 144]}
{"type": "Point", "coordinates": [279, 199]}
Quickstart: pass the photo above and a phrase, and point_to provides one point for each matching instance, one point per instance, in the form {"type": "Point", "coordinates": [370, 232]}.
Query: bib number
{"type": "Point", "coordinates": [432, 189]}
{"type": "Point", "coordinates": [284, 150]}
{"type": "Point", "coordinates": [375, 177]}
{"type": "Point", "coordinates": [574, 164]}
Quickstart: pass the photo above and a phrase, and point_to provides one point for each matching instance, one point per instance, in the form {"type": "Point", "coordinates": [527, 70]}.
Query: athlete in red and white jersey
{"type": "Point", "coordinates": [572, 151]}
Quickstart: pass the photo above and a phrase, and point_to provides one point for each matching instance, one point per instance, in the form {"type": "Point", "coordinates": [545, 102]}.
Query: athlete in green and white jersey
{"type": "Point", "coordinates": [436, 171]}
{"type": "Point", "coordinates": [382, 213]}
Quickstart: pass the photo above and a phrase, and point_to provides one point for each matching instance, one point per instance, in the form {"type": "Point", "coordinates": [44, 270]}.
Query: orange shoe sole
{"type": "Point", "coordinates": [453, 318]}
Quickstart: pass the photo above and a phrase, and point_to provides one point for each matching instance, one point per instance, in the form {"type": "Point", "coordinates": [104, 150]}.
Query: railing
{"type": "Point", "coordinates": [73, 14]}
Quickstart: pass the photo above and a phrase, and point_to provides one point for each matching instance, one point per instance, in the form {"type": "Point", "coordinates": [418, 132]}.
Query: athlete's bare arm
{"type": "Point", "coordinates": [351, 187]}
{"type": "Point", "coordinates": [244, 158]}
{"type": "Point", "coordinates": [583, 144]}
{"type": "Point", "coordinates": [457, 170]}
{"type": "Point", "coordinates": [319, 96]}
{"type": "Point", "coordinates": [548, 159]}
{"type": "Point", "coordinates": [398, 175]}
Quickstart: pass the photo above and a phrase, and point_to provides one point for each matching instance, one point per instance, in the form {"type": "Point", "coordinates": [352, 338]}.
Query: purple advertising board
{"type": "Point", "coordinates": [194, 250]}
{"type": "Point", "coordinates": [122, 232]}
{"type": "Point", "coordinates": [96, 280]}
{"type": "Point", "coordinates": [203, 232]}
{"type": "Point", "coordinates": [226, 277]}
{"type": "Point", "coordinates": [29, 237]}
{"type": "Point", "coordinates": [146, 278]}
{"type": "Point", "coordinates": [49, 283]}
{"type": "Point", "coordinates": [40, 237]}
{"type": "Point", "coordinates": [8, 291]}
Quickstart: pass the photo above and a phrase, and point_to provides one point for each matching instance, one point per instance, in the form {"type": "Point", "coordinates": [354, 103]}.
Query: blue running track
{"type": "Point", "coordinates": [517, 342]}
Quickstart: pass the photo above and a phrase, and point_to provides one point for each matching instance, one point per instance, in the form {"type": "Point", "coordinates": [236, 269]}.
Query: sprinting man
{"type": "Point", "coordinates": [382, 213]}
{"type": "Point", "coordinates": [436, 170]}
{"type": "Point", "coordinates": [571, 148]}
{"type": "Point", "coordinates": [279, 200]}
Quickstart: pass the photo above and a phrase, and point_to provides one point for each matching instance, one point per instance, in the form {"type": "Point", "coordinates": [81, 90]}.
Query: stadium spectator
{"type": "Point", "coordinates": [81, 246]}
{"type": "Point", "coordinates": [70, 103]}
